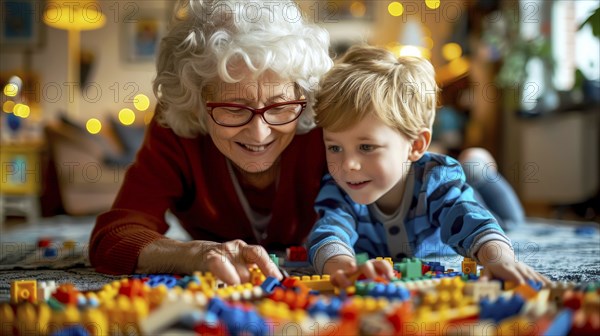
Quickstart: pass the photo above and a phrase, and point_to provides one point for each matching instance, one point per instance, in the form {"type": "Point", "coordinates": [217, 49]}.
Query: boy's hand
{"type": "Point", "coordinates": [499, 262]}
{"type": "Point", "coordinates": [344, 271]}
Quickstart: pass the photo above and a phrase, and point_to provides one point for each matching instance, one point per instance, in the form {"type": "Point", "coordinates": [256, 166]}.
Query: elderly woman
{"type": "Point", "coordinates": [231, 151]}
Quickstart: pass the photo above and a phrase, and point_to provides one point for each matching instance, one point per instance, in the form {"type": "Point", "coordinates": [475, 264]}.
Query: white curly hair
{"type": "Point", "coordinates": [208, 37]}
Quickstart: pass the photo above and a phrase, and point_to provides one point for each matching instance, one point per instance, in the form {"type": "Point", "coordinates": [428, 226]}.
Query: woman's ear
{"type": "Point", "coordinates": [420, 145]}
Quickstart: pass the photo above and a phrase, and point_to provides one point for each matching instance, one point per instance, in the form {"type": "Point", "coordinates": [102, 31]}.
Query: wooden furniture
{"type": "Point", "coordinates": [555, 157]}
{"type": "Point", "coordinates": [20, 180]}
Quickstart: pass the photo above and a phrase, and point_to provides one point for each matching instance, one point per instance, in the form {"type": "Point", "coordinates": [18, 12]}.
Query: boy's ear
{"type": "Point", "coordinates": [420, 145]}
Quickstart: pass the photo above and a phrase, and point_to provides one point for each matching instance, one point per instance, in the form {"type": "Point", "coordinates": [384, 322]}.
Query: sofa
{"type": "Point", "coordinates": [89, 168]}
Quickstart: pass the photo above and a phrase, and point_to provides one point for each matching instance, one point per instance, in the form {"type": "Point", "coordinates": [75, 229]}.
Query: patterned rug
{"type": "Point", "coordinates": [561, 250]}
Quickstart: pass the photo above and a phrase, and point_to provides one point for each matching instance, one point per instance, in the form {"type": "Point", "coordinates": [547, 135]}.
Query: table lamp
{"type": "Point", "coordinates": [74, 16]}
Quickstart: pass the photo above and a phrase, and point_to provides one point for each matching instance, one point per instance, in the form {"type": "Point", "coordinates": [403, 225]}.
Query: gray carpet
{"type": "Point", "coordinates": [561, 250]}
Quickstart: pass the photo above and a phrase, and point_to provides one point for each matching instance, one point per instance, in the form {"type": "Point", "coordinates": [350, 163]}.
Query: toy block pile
{"type": "Point", "coordinates": [425, 298]}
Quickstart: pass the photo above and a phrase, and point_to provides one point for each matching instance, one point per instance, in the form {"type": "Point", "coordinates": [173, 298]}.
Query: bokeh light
{"type": "Point", "coordinates": [141, 102]}
{"type": "Point", "coordinates": [428, 42]}
{"type": "Point", "coordinates": [11, 90]}
{"type": "Point", "coordinates": [358, 9]}
{"type": "Point", "coordinates": [93, 126]}
{"type": "Point", "coordinates": [451, 51]}
{"type": "Point", "coordinates": [410, 51]}
{"type": "Point", "coordinates": [432, 4]}
{"type": "Point", "coordinates": [395, 8]}
{"type": "Point", "coordinates": [21, 110]}
{"type": "Point", "coordinates": [126, 116]}
{"type": "Point", "coordinates": [8, 106]}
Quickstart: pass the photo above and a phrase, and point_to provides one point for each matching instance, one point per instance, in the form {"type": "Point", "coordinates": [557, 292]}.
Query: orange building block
{"type": "Point", "coordinates": [66, 293]}
{"type": "Point", "coordinates": [525, 291]}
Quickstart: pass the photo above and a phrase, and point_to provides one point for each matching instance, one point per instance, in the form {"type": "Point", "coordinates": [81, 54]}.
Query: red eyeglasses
{"type": "Point", "coordinates": [236, 115]}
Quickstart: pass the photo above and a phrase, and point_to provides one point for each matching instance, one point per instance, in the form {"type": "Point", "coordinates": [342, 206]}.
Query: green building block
{"type": "Point", "coordinates": [274, 259]}
{"type": "Point", "coordinates": [409, 267]}
{"type": "Point", "coordinates": [361, 258]}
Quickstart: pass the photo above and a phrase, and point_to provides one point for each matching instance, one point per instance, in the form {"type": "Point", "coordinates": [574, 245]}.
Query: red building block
{"type": "Point", "coordinates": [296, 253]}
{"type": "Point", "coordinates": [132, 288]}
{"type": "Point", "coordinates": [66, 294]}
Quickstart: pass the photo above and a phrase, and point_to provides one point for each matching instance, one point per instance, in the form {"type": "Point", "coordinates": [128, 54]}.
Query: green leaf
{"type": "Point", "coordinates": [594, 22]}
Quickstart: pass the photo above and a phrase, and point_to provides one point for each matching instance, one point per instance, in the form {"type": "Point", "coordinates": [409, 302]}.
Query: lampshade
{"type": "Point", "coordinates": [74, 15]}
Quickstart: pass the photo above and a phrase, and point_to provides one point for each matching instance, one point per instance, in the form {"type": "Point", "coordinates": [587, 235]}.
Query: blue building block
{"type": "Point", "coordinates": [233, 320]}
{"type": "Point", "coordinates": [161, 279]}
{"type": "Point", "coordinates": [537, 285]}
{"type": "Point", "coordinates": [390, 291]}
{"type": "Point", "coordinates": [561, 325]}
{"type": "Point", "coordinates": [473, 277]}
{"type": "Point", "coordinates": [50, 252]}
{"type": "Point", "coordinates": [254, 324]}
{"type": "Point", "coordinates": [76, 330]}
{"type": "Point", "coordinates": [216, 306]}
{"type": "Point", "coordinates": [320, 307]}
{"type": "Point", "coordinates": [186, 280]}
{"type": "Point", "coordinates": [501, 308]}
{"type": "Point", "coordinates": [447, 275]}
{"type": "Point", "coordinates": [436, 266]}
{"type": "Point", "coordinates": [269, 284]}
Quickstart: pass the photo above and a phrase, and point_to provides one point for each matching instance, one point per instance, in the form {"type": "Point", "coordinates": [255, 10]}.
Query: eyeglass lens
{"type": "Point", "coordinates": [278, 115]}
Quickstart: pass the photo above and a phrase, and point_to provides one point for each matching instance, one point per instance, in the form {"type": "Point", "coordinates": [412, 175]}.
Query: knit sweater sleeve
{"type": "Point", "coordinates": [465, 223]}
{"type": "Point", "coordinates": [153, 184]}
{"type": "Point", "coordinates": [334, 232]}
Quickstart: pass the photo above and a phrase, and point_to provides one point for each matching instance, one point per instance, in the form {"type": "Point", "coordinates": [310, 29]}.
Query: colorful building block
{"type": "Point", "coordinates": [410, 268]}
{"type": "Point", "coordinates": [296, 253]}
{"type": "Point", "coordinates": [469, 266]}
{"type": "Point", "coordinates": [23, 291]}
{"type": "Point", "coordinates": [501, 308]}
{"type": "Point", "coordinates": [317, 282]}
{"type": "Point", "coordinates": [433, 302]}
{"type": "Point", "coordinates": [269, 285]}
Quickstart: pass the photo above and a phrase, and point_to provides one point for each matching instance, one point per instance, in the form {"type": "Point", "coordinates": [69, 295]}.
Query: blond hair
{"type": "Point", "coordinates": [402, 91]}
{"type": "Point", "coordinates": [208, 37]}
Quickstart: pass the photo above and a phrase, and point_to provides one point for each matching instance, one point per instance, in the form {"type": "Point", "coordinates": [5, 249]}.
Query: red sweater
{"type": "Point", "coordinates": [190, 177]}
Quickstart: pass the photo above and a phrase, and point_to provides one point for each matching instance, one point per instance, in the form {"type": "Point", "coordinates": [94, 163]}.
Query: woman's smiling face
{"type": "Point", "coordinates": [256, 146]}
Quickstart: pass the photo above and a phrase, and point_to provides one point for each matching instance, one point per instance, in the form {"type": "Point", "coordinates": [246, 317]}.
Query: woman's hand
{"type": "Point", "coordinates": [228, 261]}
{"type": "Point", "coordinates": [499, 261]}
{"type": "Point", "coordinates": [344, 271]}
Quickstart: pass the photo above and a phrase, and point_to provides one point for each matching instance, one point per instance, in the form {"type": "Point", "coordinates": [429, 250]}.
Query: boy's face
{"type": "Point", "coordinates": [369, 161]}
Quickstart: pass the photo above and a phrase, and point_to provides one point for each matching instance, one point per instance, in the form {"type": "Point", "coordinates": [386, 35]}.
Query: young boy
{"type": "Point", "coordinates": [386, 195]}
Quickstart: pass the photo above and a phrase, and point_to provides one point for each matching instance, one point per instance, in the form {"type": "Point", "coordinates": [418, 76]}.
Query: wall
{"type": "Point", "coordinates": [114, 78]}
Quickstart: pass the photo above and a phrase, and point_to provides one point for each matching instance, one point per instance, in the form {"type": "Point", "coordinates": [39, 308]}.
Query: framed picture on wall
{"type": "Point", "coordinates": [21, 24]}
{"type": "Point", "coordinates": [143, 31]}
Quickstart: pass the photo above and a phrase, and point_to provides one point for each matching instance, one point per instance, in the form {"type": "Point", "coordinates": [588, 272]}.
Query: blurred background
{"type": "Point", "coordinates": [519, 78]}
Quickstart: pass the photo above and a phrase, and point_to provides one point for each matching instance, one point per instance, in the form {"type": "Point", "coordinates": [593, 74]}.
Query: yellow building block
{"type": "Point", "coordinates": [23, 291]}
{"type": "Point", "coordinates": [388, 259]}
{"type": "Point", "coordinates": [479, 289]}
{"type": "Point", "coordinates": [316, 282]}
{"type": "Point", "coordinates": [469, 266]}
